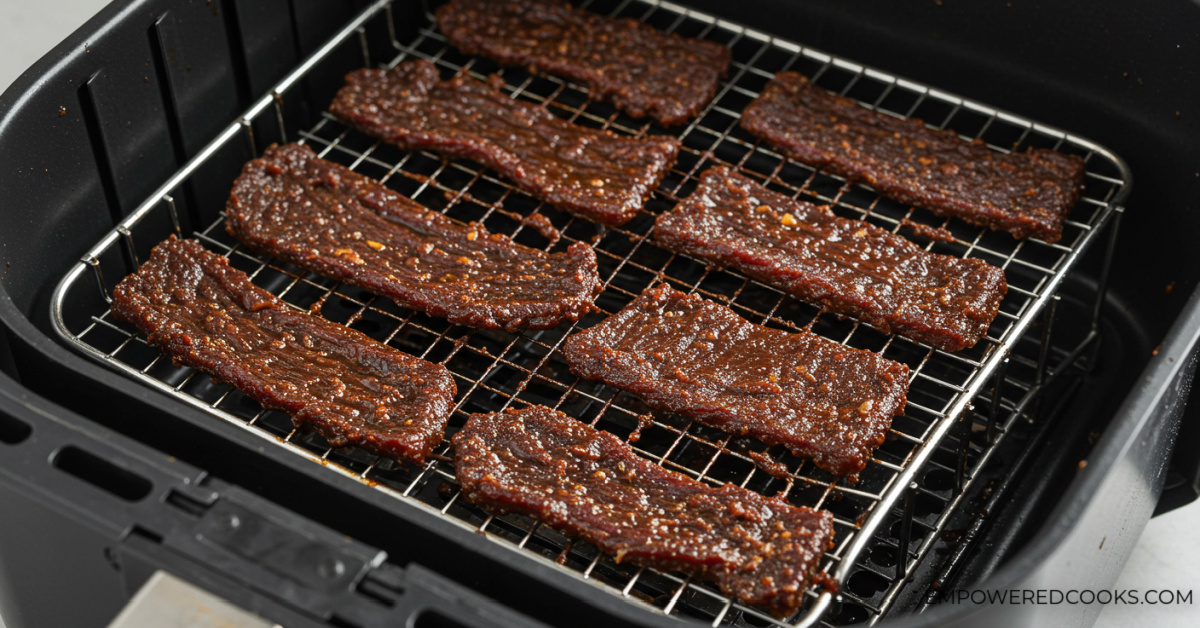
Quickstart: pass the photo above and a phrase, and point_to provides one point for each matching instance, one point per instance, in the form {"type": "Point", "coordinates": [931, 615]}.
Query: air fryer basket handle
{"type": "Point", "coordinates": [131, 511]}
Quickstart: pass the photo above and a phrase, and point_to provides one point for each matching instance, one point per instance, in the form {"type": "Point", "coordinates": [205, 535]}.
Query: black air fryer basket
{"type": "Point", "coordinates": [115, 464]}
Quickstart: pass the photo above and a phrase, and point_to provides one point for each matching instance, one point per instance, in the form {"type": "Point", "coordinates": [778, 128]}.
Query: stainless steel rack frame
{"type": "Point", "coordinates": [961, 402]}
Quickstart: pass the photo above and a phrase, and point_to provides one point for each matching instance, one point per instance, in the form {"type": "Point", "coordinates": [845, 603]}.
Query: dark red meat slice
{"type": "Point", "coordinates": [331, 220]}
{"type": "Point", "coordinates": [1026, 194]}
{"type": "Point", "coordinates": [197, 309]}
{"type": "Point", "coordinates": [687, 355]}
{"type": "Point", "coordinates": [845, 266]}
{"type": "Point", "coordinates": [643, 71]}
{"type": "Point", "coordinates": [590, 484]}
{"type": "Point", "coordinates": [595, 174]}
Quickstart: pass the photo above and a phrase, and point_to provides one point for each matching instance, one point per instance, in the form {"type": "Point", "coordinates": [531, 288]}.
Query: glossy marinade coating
{"type": "Point", "coordinates": [641, 70]}
{"type": "Point", "coordinates": [687, 355]}
{"type": "Point", "coordinates": [844, 266]}
{"type": "Point", "coordinates": [203, 313]}
{"type": "Point", "coordinates": [591, 485]}
{"type": "Point", "coordinates": [329, 219]}
{"type": "Point", "coordinates": [591, 173]}
{"type": "Point", "coordinates": [1026, 194]}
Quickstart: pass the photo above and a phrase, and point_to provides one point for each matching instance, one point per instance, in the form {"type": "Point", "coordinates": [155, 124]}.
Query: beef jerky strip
{"type": "Point", "coordinates": [1026, 194]}
{"type": "Point", "coordinates": [687, 355]}
{"type": "Point", "coordinates": [643, 71]}
{"type": "Point", "coordinates": [590, 484]}
{"type": "Point", "coordinates": [591, 173]}
{"type": "Point", "coordinates": [324, 217]}
{"type": "Point", "coordinates": [203, 313]}
{"type": "Point", "coordinates": [845, 266]}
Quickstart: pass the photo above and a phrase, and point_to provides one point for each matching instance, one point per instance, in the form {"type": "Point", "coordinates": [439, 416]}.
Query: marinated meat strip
{"type": "Point", "coordinates": [333, 221]}
{"type": "Point", "coordinates": [590, 484]}
{"type": "Point", "coordinates": [643, 71]}
{"type": "Point", "coordinates": [203, 313]}
{"type": "Point", "coordinates": [845, 266]}
{"type": "Point", "coordinates": [591, 173]}
{"type": "Point", "coordinates": [1026, 194]}
{"type": "Point", "coordinates": [687, 355]}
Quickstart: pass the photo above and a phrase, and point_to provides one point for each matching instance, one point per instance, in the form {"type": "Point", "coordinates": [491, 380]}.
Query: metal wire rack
{"type": "Point", "coordinates": [960, 404]}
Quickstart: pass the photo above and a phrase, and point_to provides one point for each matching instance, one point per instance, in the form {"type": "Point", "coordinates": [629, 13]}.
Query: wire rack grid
{"type": "Point", "coordinates": [495, 370]}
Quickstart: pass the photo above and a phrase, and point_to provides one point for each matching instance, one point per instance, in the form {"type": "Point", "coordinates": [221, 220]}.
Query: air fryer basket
{"type": "Point", "coordinates": [1019, 380]}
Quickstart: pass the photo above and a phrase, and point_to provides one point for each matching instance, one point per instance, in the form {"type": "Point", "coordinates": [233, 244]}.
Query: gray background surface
{"type": "Point", "coordinates": [1167, 557]}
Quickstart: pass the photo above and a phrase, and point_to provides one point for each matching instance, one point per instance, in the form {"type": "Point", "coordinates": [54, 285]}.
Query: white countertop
{"type": "Point", "coordinates": [1167, 557]}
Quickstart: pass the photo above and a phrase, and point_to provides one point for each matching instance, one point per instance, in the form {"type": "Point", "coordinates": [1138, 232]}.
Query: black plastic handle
{"type": "Point", "coordinates": [113, 511]}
